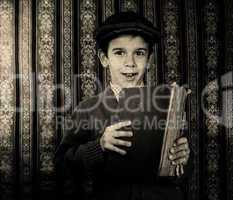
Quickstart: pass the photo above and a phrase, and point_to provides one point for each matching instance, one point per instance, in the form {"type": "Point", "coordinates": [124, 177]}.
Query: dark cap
{"type": "Point", "coordinates": [126, 23]}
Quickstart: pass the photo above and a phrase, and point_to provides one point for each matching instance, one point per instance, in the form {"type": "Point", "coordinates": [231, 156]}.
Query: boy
{"type": "Point", "coordinates": [125, 43]}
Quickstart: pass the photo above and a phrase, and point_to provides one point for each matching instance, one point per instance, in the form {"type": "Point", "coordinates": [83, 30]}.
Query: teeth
{"type": "Point", "coordinates": [129, 74]}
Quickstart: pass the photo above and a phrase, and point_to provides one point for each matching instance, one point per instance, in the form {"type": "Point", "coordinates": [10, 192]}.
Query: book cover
{"type": "Point", "coordinates": [149, 109]}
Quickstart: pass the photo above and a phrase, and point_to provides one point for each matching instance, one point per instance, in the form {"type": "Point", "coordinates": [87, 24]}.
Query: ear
{"type": "Point", "coordinates": [103, 58]}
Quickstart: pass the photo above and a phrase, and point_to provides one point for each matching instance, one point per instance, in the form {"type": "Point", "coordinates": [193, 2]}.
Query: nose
{"type": "Point", "coordinates": [129, 61]}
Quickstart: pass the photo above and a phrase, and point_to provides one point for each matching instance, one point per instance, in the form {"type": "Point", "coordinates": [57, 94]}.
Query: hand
{"type": "Point", "coordinates": [179, 154]}
{"type": "Point", "coordinates": [109, 140]}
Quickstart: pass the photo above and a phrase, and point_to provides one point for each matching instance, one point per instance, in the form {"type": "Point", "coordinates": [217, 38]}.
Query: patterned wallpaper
{"type": "Point", "coordinates": [192, 74]}
{"type": "Point", "coordinates": [212, 131]}
{"type": "Point", "coordinates": [25, 71]}
{"type": "Point", "coordinates": [229, 108]}
{"type": "Point", "coordinates": [7, 96]}
{"type": "Point", "coordinates": [46, 91]}
{"type": "Point", "coordinates": [48, 64]}
{"type": "Point", "coordinates": [170, 28]}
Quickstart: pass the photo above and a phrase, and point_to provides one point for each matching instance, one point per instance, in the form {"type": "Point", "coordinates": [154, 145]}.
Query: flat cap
{"type": "Point", "coordinates": [126, 22]}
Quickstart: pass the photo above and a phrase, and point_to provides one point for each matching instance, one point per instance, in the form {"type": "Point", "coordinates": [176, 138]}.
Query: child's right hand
{"type": "Point", "coordinates": [110, 138]}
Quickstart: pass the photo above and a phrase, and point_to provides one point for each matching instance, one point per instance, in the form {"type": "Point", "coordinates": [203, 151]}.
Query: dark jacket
{"type": "Point", "coordinates": [107, 175]}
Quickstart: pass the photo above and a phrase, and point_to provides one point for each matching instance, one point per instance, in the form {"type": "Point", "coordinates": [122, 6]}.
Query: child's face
{"type": "Point", "coordinates": [126, 58]}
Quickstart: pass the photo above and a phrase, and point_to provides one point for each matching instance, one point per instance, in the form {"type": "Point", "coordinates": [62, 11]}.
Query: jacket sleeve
{"type": "Point", "coordinates": [79, 151]}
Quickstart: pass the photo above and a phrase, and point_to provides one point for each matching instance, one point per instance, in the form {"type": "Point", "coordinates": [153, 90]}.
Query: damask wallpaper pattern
{"type": "Point", "coordinates": [229, 67]}
{"type": "Point", "coordinates": [192, 78]}
{"type": "Point", "coordinates": [66, 62]}
{"type": "Point", "coordinates": [25, 71]}
{"type": "Point", "coordinates": [129, 5]}
{"type": "Point", "coordinates": [192, 75]}
{"type": "Point", "coordinates": [171, 28]}
{"type": "Point", "coordinates": [108, 10]}
{"type": "Point", "coordinates": [88, 58]}
{"type": "Point", "coordinates": [211, 52]}
{"type": "Point", "coordinates": [50, 43]}
{"type": "Point", "coordinates": [67, 52]}
{"type": "Point", "coordinates": [7, 96]}
{"type": "Point", "coordinates": [46, 91]}
{"type": "Point", "coordinates": [150, 10]}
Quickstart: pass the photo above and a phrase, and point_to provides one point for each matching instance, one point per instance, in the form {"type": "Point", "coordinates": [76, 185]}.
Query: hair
{"type": "Point", "coordinates": [104, 44]}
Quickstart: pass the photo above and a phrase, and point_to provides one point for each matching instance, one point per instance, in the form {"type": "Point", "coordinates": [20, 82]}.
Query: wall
{"type": "Point", "coordinates": [48, 64]}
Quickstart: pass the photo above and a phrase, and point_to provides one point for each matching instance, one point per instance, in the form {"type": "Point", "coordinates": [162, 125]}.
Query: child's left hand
{"type": "Point", "coordinates": [179, 154]}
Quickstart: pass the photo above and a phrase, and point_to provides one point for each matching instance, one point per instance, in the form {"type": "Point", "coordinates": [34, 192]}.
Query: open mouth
{"type": "Point", "coordinates": [130, 75]}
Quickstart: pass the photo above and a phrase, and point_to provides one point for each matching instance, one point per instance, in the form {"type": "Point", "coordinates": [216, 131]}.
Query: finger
{"type": "Point", "coordinates": [121, 143]}
{"type": "Point", "coordinates": [181, 147]}
{"type": "Point", "coordinates": [177, 170]}
{"type": "Point", "coordinates": [119, 125]}
{"type": "Point", "coordinates": [171, 156]}
{"type": "Point", "coordinates": [181, 169]}
{"type": "Point", "coordinates": [178, 155]}
{"type": "Point", "coordinates": [181, 140]}
{"type": "Point", "coordinates": [182, 161]}
{"type": "Point", "coordinates": [116, 149]}
{"type": "Point", "coordinates": [122, 134]}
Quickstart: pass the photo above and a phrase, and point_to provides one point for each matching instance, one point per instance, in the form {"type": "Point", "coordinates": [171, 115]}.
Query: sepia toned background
{"type": "Point", "coordinates": [48, 64]}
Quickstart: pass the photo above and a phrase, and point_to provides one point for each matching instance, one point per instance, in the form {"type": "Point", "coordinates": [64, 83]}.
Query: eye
{"type": "Point", "coordinates": [140, 52]}
{"type": "Point", "coordinates": [119, 53]}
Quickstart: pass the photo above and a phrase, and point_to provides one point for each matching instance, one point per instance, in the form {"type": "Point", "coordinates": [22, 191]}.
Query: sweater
{"type": "Point", "coordinates": [107, 175]}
